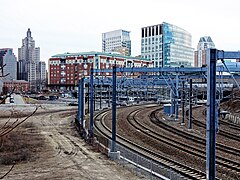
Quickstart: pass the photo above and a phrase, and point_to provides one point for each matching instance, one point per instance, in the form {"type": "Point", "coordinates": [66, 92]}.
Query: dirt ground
{"type": "Point", "coordinates": [47, 146]}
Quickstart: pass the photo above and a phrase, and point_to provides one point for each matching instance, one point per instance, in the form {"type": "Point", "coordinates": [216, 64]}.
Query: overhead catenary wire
{"type": "Point", "coordinates": [230, 73]}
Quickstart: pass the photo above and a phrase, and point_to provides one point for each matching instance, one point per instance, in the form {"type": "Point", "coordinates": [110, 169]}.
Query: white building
{"type": "Point", "coordinates": [30, 66]}
{"type": "Point", "coordinates": [118, 40]}
{"type": "Point", "coordinates": [203, 44]}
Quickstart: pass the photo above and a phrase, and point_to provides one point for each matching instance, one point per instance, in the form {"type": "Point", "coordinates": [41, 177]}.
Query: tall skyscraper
{"type": "Point", "coordinates": [117, 41]}
{"type": "Point", "coordinates": [167, 45]}
{"type": "Point", "coordinates": [9, 61]}
{"type": "Point", "coordinates": [29, 62]}
{"type": "Point", "coordinates": [200, 55]}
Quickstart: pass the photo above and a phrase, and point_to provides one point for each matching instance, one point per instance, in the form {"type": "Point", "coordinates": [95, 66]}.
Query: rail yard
{"type": "Point", "coordinates": [159, 123]}
{"type": "Point", "coordinates": [146, 130]}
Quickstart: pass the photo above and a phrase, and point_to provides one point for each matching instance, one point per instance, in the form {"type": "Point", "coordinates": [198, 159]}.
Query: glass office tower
{"type": "Point", "coordinates": [167, 46]}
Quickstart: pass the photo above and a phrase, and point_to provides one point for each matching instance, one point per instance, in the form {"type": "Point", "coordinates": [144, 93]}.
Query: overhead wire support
{"type": "Point", "coordinates": [113, 110]}
{"type": "Point", "coordinates": [91, 102]}
{"type": "Point", "coordinates": [230, 73]}
{"type": "Point", "coordinates": [212, 56]}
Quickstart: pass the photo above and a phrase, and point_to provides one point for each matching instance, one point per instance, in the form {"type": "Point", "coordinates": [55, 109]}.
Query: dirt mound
{"type": "Point", "coordinates": [233, 104]}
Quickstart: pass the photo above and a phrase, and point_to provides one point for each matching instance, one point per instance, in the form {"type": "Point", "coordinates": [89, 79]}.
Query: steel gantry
{"type": "Point", "coordinates": [212, 106]}
{"type": "Point", "coordinates": [175, 78]}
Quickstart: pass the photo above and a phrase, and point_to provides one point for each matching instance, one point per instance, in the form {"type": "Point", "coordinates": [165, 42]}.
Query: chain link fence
{"type": "Point", "coordinates": [144, 166]}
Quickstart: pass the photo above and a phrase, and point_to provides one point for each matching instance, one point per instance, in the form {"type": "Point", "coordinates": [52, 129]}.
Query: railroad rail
{"type": "Point", "coordinates": [221, 132]}
{"type": "Point", "coordinates": [220, 161]}
{"type": "Point", "coordinates": [184, 170]}
{"type": "Point", "coordinates": [222, 147]}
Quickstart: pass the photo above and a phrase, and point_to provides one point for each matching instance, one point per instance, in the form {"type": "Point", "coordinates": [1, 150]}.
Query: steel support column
{"type": "Point", "coordinates": [88, 97]}
{"type": "Point", "coordinates": [100, 97]}
{"type": "Point", "coordinates": [190, 106]}
{"type": "Point", "coordinates": [109, 96]}
{"type": "Point", "coordinates": [211, 114]}
{"type": "Point", "coordinates": [176, 93]}
{"type": "Point", "coordinates": [79, 101]}
{"type": "Point", "coordinates": [172, 101]}
{"type": "Point", "coordinates": [82, 101]}
{"type": "Point", "coordinates": [94, 97]}
{"type": "Point", "coordinates": [183, 102]}
{"type": "Point", "coordinates": [91, 103]}
{"type": "Point", "coordinates": [114, 75]}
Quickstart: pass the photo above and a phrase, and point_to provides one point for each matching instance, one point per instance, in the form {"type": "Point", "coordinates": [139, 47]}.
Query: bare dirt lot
{"type": "Point", "coordinates": [47, 146]}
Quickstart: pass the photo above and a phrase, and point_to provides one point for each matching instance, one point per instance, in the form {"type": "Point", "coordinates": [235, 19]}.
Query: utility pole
{"type": "Point", "coordinates": [190, 106]}
{"type": "Point", "coordinates": [183, 102]}
{"type": "Point", "coordinates": [211, 115]}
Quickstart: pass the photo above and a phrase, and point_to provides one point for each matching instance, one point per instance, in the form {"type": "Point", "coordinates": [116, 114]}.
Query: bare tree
{"type": "Point", "coordinates": [9, 126]}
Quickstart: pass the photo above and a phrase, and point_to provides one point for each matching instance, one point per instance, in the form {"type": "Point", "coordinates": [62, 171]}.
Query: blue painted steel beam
{"type": "Point", "coordinates": [211, 115]}
{"type": "Point", "coordinates": [91, 103]}
{"type": "Point", "coordinates": [190, 105]}
{"type": "Point", "coordinates": [82, 101]}
{"type": "Point", "coordinates": [176, 93]}
{"type": "Point", "coordinates": [183, 100]}
{"type": "Point", "coordinates": [172, 101]}
{"type": "Point", "coordinates": [161, 69]}
{"type": "Point", "coordinates": [114, 75]}
{"type": "Point", "coordinates": [79, 101]}
{"type": "Point", "coordinates": [100, 97]}
{"type": "Point", "coordinates": [155, 79]}
{"type": "Point", "coordinates": [228, 54]}
{"type": "Point", "coordinates": [175, 69]}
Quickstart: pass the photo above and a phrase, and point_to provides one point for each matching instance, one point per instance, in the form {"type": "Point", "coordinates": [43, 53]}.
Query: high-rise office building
{"type": "Point", "coordinates": [9, 61]}
{"type": "Point", "coordinates": [117, 41]}
{"type": "Point", "coordinates": [200, 55]}
{"type": "Point", "coordinates": [29, 64]}
{"type": "Point", "coordinates": [167, 45]}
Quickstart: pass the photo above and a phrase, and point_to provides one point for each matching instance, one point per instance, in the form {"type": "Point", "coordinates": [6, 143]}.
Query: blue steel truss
{"type": "Point", "coordinates": [168, 76]}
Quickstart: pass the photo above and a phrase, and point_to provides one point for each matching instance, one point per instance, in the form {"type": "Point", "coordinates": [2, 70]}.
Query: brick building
{"type": "Point", "coordinates": [66, 69]}
{"type": "Point", "coordinates": [20, 86]}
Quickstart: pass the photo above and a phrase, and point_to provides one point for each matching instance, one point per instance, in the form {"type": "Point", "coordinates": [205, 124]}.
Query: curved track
{"type": "Point", "coordinates": [220, 161]}
{"type": "Point", "coordinates": [200, 140]}
{"type": "Point", "coordinates": [189, 172]}
{"type": "Point", "coordinates": [221, 132]}
{"type": "Point", "coordinates": [186, 171]}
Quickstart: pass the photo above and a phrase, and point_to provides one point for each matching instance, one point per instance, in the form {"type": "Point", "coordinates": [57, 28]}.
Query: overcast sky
{"type": "Point", "coordinates": [60, 26]}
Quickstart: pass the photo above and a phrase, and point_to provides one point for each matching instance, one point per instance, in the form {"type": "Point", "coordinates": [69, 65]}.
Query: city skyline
{"type": "Point", "coordinates": [76, 26]}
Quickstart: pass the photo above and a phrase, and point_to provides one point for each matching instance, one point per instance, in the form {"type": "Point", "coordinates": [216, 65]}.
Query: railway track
{"type": "Point", "coordinates": [186, 171]}
{"type": "Point", "coordinates": [230, 125]}
{"type": "Point", "coordinates": [221, 132]}
{"type": "Point", "coordinates": [190, 149]}
{"type": "Point", "coordinates": [200, 140]}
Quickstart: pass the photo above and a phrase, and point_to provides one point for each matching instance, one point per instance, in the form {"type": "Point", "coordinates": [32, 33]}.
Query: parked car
{"type": "Point", "coordinates": [73, 104]}
{"type": "Point", "coordinates": [53, 98]}
{"type": "Point", "coordinates": [11, 100]}
{"type": "Point", "coordinates": [42, 98]}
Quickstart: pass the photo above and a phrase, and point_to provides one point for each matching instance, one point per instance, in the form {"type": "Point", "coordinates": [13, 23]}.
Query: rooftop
{"type": "Point", "coordinates": [95, 53]}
